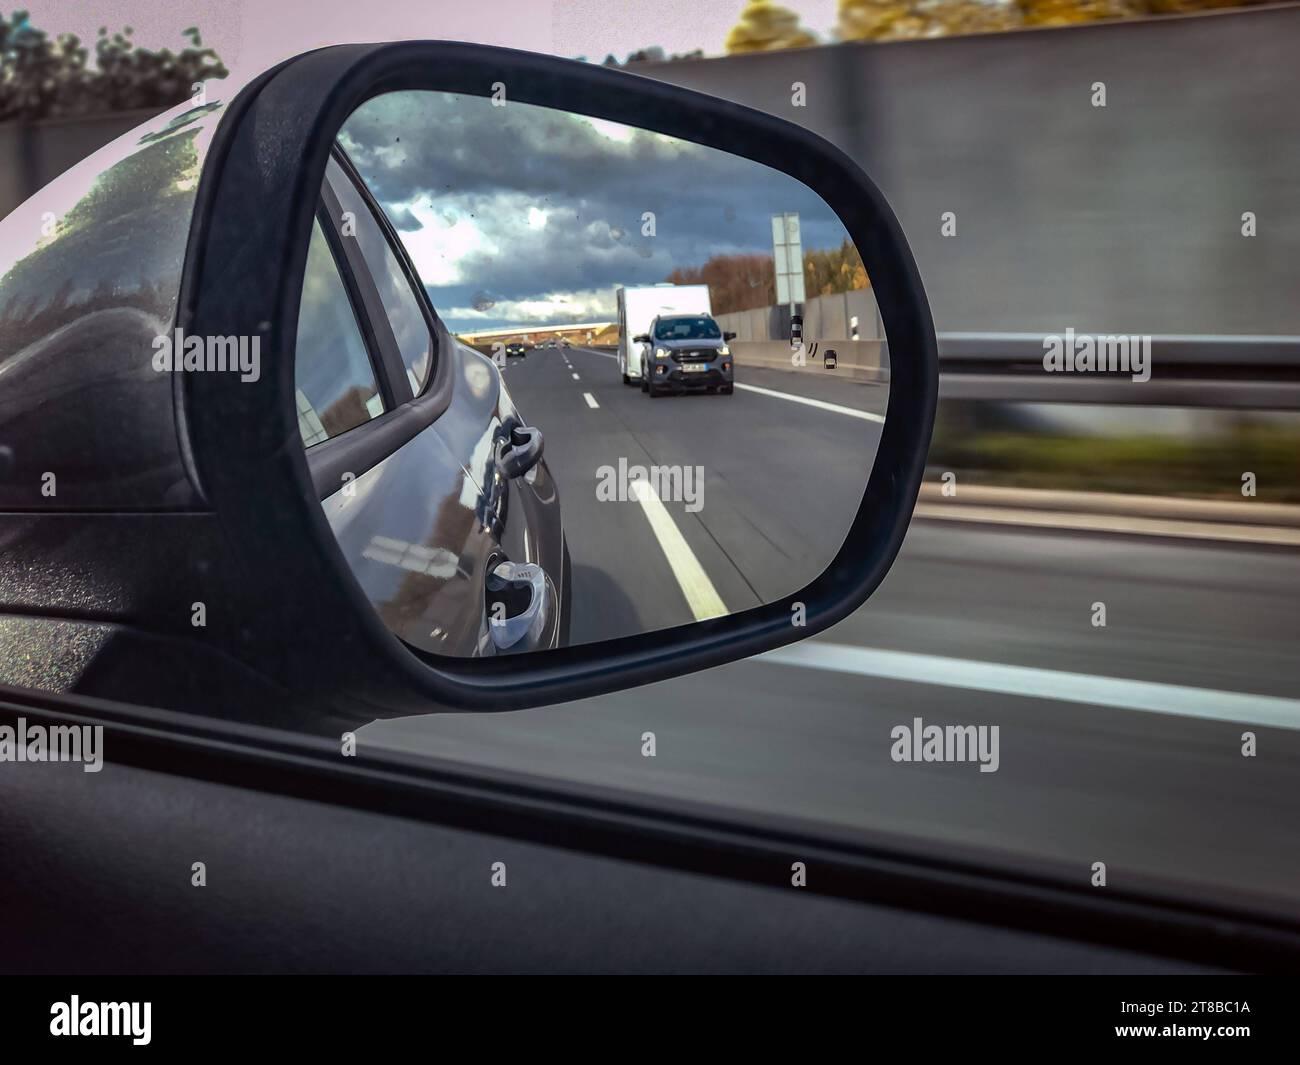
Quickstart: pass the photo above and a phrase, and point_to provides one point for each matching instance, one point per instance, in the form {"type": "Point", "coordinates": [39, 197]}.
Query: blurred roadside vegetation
{"type": "Point", "coordinates": [1201, 465]}
{"type": "Point", "coordinates": [44, 76]}
{"type": "Point", "coordinates": [766, 26]}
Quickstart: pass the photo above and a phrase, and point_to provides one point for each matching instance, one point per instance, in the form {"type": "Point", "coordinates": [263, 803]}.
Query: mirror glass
{"type": "Point", "coordinates": [657, 380]}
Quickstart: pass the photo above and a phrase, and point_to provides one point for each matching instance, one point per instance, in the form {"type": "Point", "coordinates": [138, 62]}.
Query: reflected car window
{"type": "Point", "coordinates": [687, 329]}
{"type": "Point", "coordinates": [404, 314]}
{"type": "Point", "coordinates": [336, 386]}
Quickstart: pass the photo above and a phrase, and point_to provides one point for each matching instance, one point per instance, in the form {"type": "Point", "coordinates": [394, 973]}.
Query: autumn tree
{"type": "Point", "coordinates": [746, 282]}
{"type": "Point", "coordinates": [736, 282]}
{"type": "Point", "coordinates": [765, 27]}
{"type": "Point", "coordinates": [834, 270]}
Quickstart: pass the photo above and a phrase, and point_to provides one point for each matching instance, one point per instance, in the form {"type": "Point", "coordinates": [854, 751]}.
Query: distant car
{"type": "Point", "coordinates": [686, 353]}
{"type": "Point", "coordinates": [515, 347]}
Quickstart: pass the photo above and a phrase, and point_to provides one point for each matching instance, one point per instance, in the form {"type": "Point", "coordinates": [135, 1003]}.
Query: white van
{"type": "Point", "coordinates": [639, 305]}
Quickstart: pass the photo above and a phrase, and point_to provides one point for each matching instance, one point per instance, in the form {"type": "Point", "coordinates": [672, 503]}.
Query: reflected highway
{"type": "Point", "coordinates": [1120, 744]}
{"type": "Point", "coordinates": [782, 480]}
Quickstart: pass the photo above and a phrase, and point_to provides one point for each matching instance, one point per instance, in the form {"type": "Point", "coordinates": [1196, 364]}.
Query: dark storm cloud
{"type": "Point", "coordinates": [463, 159]}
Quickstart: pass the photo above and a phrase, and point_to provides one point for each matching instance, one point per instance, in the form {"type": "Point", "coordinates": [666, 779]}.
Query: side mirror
{"type": "Point", "coordinates": [728, 336]}
{"type": "Point", "coordinates": [641, 338]}
{"type": "Point", "coordinates": [351, 540]}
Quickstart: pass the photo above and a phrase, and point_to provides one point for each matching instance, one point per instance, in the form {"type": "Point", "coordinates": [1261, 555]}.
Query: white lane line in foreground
{"type": "Point", "coordinates": [1147, 696]}
{"type": "Point", "coordinates": [865, 415]}
{"type": "Point", "coordinates": [576, 377]}
{"type": "Point", "coordinates": [591, 401]}
{"type": "Point", "coordinates": [701, 596]}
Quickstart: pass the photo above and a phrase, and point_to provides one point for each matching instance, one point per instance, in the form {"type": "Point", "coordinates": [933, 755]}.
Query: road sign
{"type": "Point", "coordinates": [787, 253]}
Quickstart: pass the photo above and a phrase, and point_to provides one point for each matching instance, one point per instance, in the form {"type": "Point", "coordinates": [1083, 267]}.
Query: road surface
{"type": "Point", "coordinates": [1119, 744]}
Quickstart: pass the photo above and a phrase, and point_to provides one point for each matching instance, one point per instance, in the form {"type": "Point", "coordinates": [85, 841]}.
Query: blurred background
{"type": "Point", "coordinates": [1108, 166]}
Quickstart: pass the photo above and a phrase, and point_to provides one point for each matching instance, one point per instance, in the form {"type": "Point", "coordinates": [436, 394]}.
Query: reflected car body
{"type": "Point", "coordinates": [426, 528]}
{"type": "Point", "coordinates": [114, 566]}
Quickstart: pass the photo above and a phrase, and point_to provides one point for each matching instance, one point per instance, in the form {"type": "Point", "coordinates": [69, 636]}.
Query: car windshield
{"type": "Point", "coordinates": [695, 328]}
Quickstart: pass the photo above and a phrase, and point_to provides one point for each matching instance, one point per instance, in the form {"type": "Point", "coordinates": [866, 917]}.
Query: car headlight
{"type": "Point", "coordinates": [661, 353]}
{"type": "Point", "coordinates": [724, 350]}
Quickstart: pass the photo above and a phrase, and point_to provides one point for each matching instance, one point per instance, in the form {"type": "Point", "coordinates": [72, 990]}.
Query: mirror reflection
{"type": "Point", "coordinates": [646, 376]}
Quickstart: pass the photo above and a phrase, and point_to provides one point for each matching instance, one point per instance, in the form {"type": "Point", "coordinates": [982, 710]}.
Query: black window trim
{"type": "Point", "coordinates": [398, 249]}
{"type": "Point", "coordinates": [385, 356]}
{"type": "Point", "coordinates": [332, 462]}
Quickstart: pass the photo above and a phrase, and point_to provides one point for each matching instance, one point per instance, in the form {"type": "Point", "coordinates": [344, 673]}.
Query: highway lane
{"type": "Point", "coordinates": [1166, 800]}
{"type": "Point", "coordinates": [781, 482]}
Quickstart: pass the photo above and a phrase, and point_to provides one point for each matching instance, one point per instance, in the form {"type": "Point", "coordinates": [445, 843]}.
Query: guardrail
{"type": "Point", "coordinates": [1225, 372]}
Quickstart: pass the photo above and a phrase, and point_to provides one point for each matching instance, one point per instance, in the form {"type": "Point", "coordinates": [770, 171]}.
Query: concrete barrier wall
{"type": "Point", "coordinates": [1122, 219]}
{"type": "Point", "coordinates": [824, 318]}
{"type": "Point", "coordinates": [32, 154]}
{"type": "Point", "coordinates": [1125, 218]}
{"type": "Point", "coordinates": [857, 360]}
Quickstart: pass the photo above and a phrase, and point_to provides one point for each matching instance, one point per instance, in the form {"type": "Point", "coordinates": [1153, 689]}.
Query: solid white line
{"type": "Point", "coordinates": [701, 596]}
{"type": "Point", "coordinates": [819, 404]}
{"type": "Point", "coordinates": [591, 401]}
{"type": "Point", "coordinates": [1059, 686]}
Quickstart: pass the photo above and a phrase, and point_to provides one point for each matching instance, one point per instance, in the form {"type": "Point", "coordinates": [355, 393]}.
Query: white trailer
{"type": "Point", "coordinates": [639, 305]}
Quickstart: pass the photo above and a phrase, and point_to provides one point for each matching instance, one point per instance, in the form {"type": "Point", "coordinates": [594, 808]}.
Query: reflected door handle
{"type": "Point", "coordinates": [523, 451]}
{"type": "Point", "coordinates": [521, 606]}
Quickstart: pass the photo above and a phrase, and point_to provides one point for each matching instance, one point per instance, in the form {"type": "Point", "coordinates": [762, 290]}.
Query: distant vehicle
{"type": "Point", "coordinates": [685, 353]}
{"type": "Point", "coordinates": [639, 305]}
{"type": "Point", "coordinates": [516, 347]}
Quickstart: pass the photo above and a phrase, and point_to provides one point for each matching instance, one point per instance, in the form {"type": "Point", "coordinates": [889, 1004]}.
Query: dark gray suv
{"type": "Point", "coordinates": [686, 353]}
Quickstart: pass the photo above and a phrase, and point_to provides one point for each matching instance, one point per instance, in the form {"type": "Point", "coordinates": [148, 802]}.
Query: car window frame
{"type": "Point", "coordinates": [335, 461]}
{"type": "Point", "coordinates": [365, 326]}
{"type": "Point", "coordinates": [407, 267]}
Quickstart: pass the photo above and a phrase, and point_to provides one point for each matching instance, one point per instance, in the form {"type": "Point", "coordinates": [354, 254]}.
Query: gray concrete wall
{"type": "Point", "coordinates": [860, 360]}
{"type": "Point", "coordinates": [34, 154]}
{"type": "Point", "coordinates": [824, 318]}
{"type": "Point", "coordinates": [1125, 218]}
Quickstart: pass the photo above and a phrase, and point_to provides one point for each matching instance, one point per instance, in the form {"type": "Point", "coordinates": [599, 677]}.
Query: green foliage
{"type": "Point", "coordinates": [1143, 464]}
{"type": "Point", "coordinates": [44, 77]}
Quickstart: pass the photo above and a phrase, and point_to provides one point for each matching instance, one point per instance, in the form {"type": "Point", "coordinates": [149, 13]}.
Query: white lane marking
{"type": "Point", "coordinates": [1147, 696]}
{"type": "Point", "coordinates": [591, 401]}
{"type": "Point", "coordinates": [701, 596]}
{"type": "Point", "coordinates": [576, 377]}
{"type": "Point", "coordinates": [866, 415]}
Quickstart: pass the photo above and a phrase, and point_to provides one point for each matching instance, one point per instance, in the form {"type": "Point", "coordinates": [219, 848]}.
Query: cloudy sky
{"type": "Point", "coordinates": [525, 215]}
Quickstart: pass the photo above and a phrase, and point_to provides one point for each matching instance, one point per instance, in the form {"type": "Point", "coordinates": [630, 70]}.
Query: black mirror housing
{"type": "Point", "coordinates": [305, 621]}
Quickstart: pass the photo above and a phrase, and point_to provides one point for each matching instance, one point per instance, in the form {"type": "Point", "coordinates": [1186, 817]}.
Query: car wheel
{"type": "Point", "coordinates": [627, 380]}
{"type": "Point", "coordinates": [727, 390]}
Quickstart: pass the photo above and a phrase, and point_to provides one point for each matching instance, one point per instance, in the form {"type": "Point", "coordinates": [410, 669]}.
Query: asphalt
{"type": "Point", "coordinates": [782, 481]}
{"type": "Point", "coordinates": [1165, 799]}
